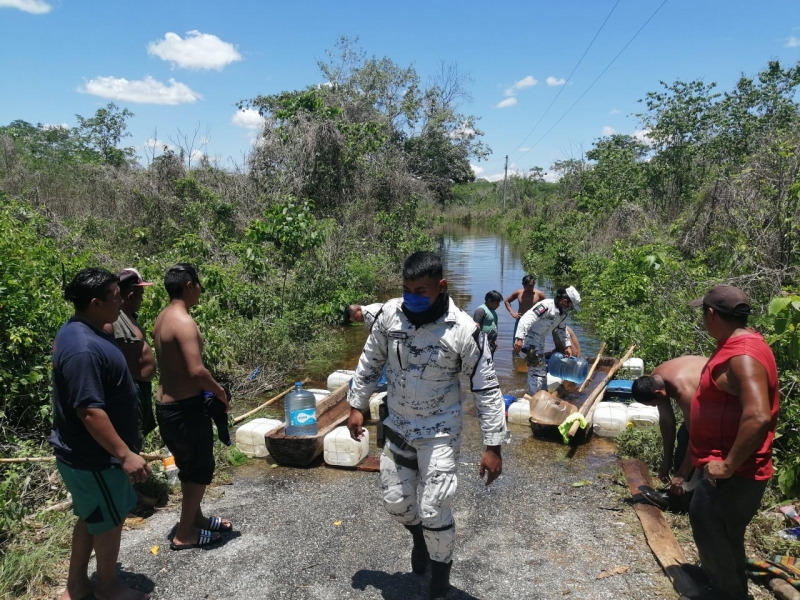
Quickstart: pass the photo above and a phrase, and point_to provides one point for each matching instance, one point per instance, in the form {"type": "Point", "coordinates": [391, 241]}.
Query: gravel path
{"type": "Point", "coordinates": [322, 533]}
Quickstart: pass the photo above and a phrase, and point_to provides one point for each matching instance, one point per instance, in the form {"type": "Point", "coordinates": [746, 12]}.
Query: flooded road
{"type": "Point", "coordinates": [546, 529]}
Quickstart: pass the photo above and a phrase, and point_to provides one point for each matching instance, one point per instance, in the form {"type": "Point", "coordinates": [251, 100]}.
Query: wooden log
{"type": "Point", "coordinates": [590, 401]}
{"type": "Point", "coordinates": [783, 589]}
{"type": "Point", "coordinates": [591, 371]}
{"type": "Point", "coordinates": [301, 450]}
{"type": "Point", "coordinates": [659, 536]}
{"type": "Point", "coordinates": [269, 402]}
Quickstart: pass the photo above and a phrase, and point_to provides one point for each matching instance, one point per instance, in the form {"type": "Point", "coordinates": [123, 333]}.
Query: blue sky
{"type": "Point", "coordinates": [181, 66]}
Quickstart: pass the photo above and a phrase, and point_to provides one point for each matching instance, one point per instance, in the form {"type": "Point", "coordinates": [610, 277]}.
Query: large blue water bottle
{"type": "Point", "coordinates": [301, 411]}
{"type": "Point", "coordinates": [568, 368]}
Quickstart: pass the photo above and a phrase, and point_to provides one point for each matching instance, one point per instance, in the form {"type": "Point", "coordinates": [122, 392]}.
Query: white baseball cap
{"type": "Point", "coordinates": [574, 297]}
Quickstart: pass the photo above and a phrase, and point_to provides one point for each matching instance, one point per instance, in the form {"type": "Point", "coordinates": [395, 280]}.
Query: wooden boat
{"type": "Point", "coordinates": [544, 423]}
{"type": "Point", "coordinates": [301, 450]}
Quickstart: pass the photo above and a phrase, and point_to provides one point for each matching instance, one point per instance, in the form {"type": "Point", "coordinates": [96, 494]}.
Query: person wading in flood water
{"type": "Point", "coordinates": [427, 343]}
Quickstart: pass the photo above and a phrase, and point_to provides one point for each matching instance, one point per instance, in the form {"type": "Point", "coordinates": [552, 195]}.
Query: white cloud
{"type": "Point", "coordinates": [462, 131]}
{"type": "Point", "coordinates": [615, 111]}
{"type": "Point", "coordinates": [248, 118]}
{"type": "Point", "coordinates": [523, 83]}
{"type": "Point", "coordinates": [608, 131]}
{"type": "Point", "coordinates": [523, 149]}
{"type": "Point", "coordinates": [642, 136]}
{"type": "Point", "coordinates": [552, 177]}
{"type": "Point", "coordinates": [476, 169]}
{"type": "Point", "coordinates": [154, 144]}
{"type": "Point", "coordinates": [506, 103]}
{"type": "Point", "coordinates": [553, 81]}
{"type": "Point", "coordinates": [146, 91]}
{"type": "Point", "coordinates": [36, 7]}
{"type": "Point", "coordinates": [197, 51]}
{"type": "Point", "coordinates": [792, 42]}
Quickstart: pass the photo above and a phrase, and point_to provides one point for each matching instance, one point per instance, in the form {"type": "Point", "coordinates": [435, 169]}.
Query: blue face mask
{"type": "Point", "coordinates": [416, 303]}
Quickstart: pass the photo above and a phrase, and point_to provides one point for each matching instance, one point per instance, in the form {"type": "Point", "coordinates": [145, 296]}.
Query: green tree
{"type": "Point", "coordinates": [617, 175]}
{"type": "Point", "coordinates": [101, 135]}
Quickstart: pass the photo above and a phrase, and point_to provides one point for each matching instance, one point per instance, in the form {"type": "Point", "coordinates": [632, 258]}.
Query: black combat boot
{"type": "Point", "coordinates": [440, 580]}
{"type": "Point", "coordinates": [419, 554]}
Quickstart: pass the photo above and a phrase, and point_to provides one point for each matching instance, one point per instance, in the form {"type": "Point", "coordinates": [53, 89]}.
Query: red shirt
{"type": "Point", "coordinates": [715, 414]}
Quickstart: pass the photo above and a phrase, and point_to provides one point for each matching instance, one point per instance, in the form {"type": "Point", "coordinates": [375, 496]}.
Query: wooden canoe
{"type": "Point", "coordinates": [569, 393]}
{"type": "Point", "coordinates": [301, 450]}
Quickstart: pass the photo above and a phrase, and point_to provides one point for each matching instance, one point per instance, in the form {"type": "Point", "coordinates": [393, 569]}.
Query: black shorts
{"type": "Point", "coordinates": [186, 430]}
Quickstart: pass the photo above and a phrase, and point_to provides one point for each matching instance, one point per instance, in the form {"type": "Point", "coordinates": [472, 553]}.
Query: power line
{"type": "Point", "coordinates": [575, 68]}
{"type": "Point", "coordinates": [596, 80]}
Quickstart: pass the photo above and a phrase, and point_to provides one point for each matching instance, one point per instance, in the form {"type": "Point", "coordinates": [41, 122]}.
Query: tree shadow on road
{"type": "Point", "coordinates": [400, 586]}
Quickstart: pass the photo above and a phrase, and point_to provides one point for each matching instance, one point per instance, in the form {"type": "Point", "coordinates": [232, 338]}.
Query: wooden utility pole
{"type": "Point", "coordinates": [505, 183]}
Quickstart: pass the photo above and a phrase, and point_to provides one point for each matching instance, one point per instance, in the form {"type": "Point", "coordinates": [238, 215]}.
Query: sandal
{"type": "Point", "coordinates": [205, 539]}
{"type": "Point", "coordinates": [216, 524]}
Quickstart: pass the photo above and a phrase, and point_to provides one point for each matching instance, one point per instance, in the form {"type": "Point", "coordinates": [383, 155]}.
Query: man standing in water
{"type": "Point", "coordinates": [426, 343]}
{"type": "Point", "coordinates": [546, 317]}
{"type": "Point", "coordinates": [183, 421]}
{"type": "Point", "coordinates": [526, 297]}
{"type": "Point", "coordinates": [734, 413]}
{"type": "Point", "coordinates": [676, 379]}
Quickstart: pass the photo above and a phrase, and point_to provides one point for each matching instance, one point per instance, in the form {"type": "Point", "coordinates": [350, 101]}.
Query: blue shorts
{"type": "Point", "coordinates": [101, 498]}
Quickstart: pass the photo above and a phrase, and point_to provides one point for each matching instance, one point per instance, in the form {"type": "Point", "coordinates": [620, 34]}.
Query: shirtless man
{"type": "Point", "coordinates": [675, 379]}
{"type": "Point", "coordinates": [526, 296]}
{"type": "Point", "coordinates": [132, 341]}
{"type": "Point", "coordinates": [180, 409]}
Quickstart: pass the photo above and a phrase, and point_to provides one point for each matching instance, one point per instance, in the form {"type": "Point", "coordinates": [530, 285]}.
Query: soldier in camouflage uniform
{"type": "Point", "coordinates": [546, 317]}
{"type": "Point", "coordinates": [426, 343]}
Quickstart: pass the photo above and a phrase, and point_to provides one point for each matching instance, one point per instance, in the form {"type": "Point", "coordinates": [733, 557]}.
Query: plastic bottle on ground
{"type": "Point", "coordinates": [170, 468]}
{"type": "Point", "coordinates": [301, 411]}
{"type": "Point", "coordinates": [571, 369]}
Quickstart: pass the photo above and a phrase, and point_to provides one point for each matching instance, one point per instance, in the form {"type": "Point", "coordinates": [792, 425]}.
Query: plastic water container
{"type": "Point", "coordinates": [343, 451]}
{"type": "Point", "coordinates": [508, 400]}
{"type": "Point", "coordinates": [553, 383]}
{"type": "Point", "coordinates": [519, 413]}
{"type": "Point", "coordinates": [571, 369]}
{"type": "Point", "coordinates": [300, 407]}
{"type": "Point", "coordinates": [641, 415]}
{"type": "Point", "coordinates": [619, 390]}
{"type": "Point", "coordinates": [319, 395]}
{"type": "Point", "coordinates": [250, 436]}
{"type": "Point", "coordinates": [634, 367]}
{"type": "Point", "coordinates": [170, 468]}
{"type": "Point", "coordinates": [374, 405]}
{"type": "Point", "coordinates": [338, 378]}
{"type": "Point", "coordinates": [610, 419]}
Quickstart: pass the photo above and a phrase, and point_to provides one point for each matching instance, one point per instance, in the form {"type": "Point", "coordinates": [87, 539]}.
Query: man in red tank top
{"type": "Point", "coordinates": [733, 416]}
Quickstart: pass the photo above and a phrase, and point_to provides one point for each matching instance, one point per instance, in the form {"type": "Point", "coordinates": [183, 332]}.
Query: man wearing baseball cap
{"type": "Point", "coordinates": [733, 414]}
{"type": "Point", "coordinates": [132, 341]}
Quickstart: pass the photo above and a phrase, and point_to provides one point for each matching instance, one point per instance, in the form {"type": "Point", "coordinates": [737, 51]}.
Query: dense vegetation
{"type": "Point", "coordinates": [711, 194]}
{"type": "Point", "coordinates": [321, 215]}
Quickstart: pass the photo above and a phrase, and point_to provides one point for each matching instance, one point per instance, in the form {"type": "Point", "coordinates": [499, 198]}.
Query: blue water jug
{"type": "Point", "coordinates": [569, 369]}
{"type": "Point", "coordinates": [300, 407]}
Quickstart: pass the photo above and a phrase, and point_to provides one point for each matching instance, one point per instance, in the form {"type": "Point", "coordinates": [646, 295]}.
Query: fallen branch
{"type": "Point", "coordinates": [591, 371]}
{"type": "Point", "coordinates": [783, 589]}
{"type": "Point", "coordinates": [272, 400]}
{"type": "Point", "coordinates": [35, 459]}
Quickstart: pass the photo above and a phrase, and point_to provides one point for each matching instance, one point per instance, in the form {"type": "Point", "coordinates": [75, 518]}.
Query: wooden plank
{"type": "Point", "coordinates": [659, 536]}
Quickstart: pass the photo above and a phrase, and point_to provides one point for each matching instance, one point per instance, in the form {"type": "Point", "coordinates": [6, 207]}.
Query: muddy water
{"type": "Point", "coordinates": [476, 262]}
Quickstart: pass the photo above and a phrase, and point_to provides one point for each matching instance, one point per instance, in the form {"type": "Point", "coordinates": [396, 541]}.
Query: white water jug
{"type": "Point", "coordinates": [250, 436]}
{"type": "Point", "coordinates": [338, 378]}
{"type": "Point", "coordinates": [610, 419]}
{"type": "Point", "coordinates": [640, 415]}
{"type": "Point", "coordinates": [343, 451]}
{"type": "Point", "coordinates": [319, 395]}
{"type": "Point", "coordinates": [634, 367]}
{"type": "Point", "coordinates": [519, 412]}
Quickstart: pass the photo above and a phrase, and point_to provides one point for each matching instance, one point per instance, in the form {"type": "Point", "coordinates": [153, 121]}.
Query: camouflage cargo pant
{"type": "Point", "coordinates": [425, 495]}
